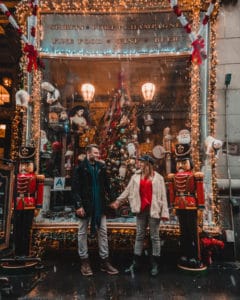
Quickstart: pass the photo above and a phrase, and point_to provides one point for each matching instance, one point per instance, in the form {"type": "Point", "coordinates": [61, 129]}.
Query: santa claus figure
{"type": "Point", "coordinates": [187, 198]}
{"type": "Point", "coordinates": [29, 198]}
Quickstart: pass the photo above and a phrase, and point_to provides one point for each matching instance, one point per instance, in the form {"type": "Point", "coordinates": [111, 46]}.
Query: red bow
{"type": "Point", "coordinates": [198, 50]}
{"type": "Point", "coordinates": [32, 57]}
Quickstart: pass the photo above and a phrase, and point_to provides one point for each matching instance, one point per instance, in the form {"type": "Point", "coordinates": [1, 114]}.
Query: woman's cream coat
{"type": "Point", "coordinates": [159, 206]}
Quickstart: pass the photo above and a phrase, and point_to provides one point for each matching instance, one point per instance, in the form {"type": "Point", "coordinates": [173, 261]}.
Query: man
{"type": "Point", "coordinates": [90, 188]}
{"type": "Point", "coordinates": [187, 197]}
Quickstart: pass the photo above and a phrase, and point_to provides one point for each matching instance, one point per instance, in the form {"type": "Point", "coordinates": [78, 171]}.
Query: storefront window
{"type": "Point", "coordinates": [93, 90]}
{"type": "Point", "coordinates": [118, 114]}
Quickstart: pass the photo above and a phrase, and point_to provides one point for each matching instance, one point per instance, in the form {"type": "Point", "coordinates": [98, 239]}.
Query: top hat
{"type": "Point", "coordinates": [26, 153]}
{"type": "Point", "coordinates": [182, 151]}
{"type": "Point", "coordinates": [147, 158]}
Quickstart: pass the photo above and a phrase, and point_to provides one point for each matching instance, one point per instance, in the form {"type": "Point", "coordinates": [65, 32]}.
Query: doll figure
{"type": "Point", "coordinates": [213, 146]}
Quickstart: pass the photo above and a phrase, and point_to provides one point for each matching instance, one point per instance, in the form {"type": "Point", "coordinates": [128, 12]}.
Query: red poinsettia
{"type": "Point", "coordinates": [209, 245]}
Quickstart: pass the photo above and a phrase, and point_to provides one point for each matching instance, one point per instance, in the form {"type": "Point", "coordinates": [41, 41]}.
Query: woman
{"type": "Point", "coordinates": [147, 197]}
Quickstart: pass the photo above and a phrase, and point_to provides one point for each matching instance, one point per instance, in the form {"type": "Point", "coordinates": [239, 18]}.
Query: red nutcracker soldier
{"type": "Point", "coordinates": [187, 197]}
{"type": "Point", "coordinates": [29, 198]}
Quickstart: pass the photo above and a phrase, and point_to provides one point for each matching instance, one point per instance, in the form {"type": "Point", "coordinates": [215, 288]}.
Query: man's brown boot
{"type": "Point", "coordinates": [86, 268]}
{"type": "Point", "coordinates": [108, 268]}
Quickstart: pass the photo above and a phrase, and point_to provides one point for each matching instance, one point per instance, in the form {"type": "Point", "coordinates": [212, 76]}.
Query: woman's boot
{"type": "Point", "coordinates": [135, 266]}
{"type": "Point", "coordinates": [154, 265]}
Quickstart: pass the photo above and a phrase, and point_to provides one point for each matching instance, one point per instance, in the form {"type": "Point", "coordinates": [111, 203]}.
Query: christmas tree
{"type": "Point", "coordinates": [118, 144]}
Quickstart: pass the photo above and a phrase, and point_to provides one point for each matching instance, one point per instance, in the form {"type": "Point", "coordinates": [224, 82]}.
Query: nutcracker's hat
{"type": "Point", "coordinates": [147, 158]}
{"type": "Point", "coordinates": [182, 151]}
{"type": "Point", "coordinates": [27, 153]}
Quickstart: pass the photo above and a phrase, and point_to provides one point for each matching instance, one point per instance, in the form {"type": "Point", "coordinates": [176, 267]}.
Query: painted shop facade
{"type": "Point", "coordinates": [128, 76]}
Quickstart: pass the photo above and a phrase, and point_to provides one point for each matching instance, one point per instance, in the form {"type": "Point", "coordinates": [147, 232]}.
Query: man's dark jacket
{"type": "Point", "coordinates": [82, 187]}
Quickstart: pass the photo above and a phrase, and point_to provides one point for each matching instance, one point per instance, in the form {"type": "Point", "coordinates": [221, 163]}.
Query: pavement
{"type": "Point", "coordinates": [58, 277]}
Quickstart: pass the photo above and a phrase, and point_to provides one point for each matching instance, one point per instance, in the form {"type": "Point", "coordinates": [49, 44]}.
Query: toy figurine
{"type": "Point", "coordinates": [187, 197]}
{"type": "Point", "coordinates": [29, 198]}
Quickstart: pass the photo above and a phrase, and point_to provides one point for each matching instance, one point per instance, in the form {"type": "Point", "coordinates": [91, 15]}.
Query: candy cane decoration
{"type": "Point", "coordinates": [29, 49]}
{"type": "Point", "coordinates": [197, 40]}
{"type": "Point", "coordinates": [33, 21]}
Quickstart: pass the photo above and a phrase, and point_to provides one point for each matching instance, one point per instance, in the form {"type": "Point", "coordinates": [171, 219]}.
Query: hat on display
{"type": "Point", "coordinates": [26, 153]}
{"type": "Point", "coordinates": [182, 151]}
{"type": "Point", "coordinates": [147, 158]}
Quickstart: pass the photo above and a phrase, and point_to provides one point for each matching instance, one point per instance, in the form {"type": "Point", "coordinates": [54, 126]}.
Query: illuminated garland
{"type": "Point", "coordinates": [197, 41]}
{"type": "Point", "coordinates": [29, 49]}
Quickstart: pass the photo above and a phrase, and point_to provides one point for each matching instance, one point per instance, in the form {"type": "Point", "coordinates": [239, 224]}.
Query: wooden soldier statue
{"type": "Point", "coordinates": [29, 198]}
{"type": "Point", "coordinates": [187, 197]}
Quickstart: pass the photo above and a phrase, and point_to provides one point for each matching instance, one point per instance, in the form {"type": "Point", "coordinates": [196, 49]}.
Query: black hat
{"type": "Point", "coordinates": [147, 158]}
{"type": "Point", "coordinates": [182, 151]}
{"type": "Point", "coordinates": [26, 153]}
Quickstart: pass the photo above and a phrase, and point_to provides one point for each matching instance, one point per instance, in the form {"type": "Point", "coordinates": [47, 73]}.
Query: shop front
{"type": "Point", "coordinates": [123, 75]}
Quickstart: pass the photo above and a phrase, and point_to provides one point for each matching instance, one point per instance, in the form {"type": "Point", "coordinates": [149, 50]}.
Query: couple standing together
{"type": "Point", "coordinates": [147, 197]}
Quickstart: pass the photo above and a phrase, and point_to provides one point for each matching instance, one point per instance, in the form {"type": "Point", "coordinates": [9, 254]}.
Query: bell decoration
{"type": "Point", "coordinates": [148, 130]}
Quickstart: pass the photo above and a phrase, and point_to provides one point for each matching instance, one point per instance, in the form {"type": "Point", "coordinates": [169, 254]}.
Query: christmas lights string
{"type": "Point", "coordinates": [30, 50]}
{"type": "Point", "coordinates": [197, 41]}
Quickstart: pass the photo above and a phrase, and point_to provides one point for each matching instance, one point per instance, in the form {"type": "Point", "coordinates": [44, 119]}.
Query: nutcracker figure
{"type": "Point", "coordinates": [187, 198]}
{"type": "Point", "coordinates": [29, 198]}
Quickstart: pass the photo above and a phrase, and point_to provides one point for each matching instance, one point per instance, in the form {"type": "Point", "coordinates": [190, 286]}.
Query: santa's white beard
{"type": "Point", "coordinates": [184, 140]}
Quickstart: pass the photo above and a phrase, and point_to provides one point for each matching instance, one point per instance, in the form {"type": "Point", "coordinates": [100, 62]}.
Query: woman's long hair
{"type": "Point", "coordinates": [147, 170]}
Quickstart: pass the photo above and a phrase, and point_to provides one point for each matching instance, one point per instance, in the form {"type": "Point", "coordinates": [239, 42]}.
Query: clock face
{"type": "Point", "coordinates": [158, 151]}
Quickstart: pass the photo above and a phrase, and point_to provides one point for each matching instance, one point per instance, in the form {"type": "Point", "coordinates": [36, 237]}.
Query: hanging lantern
{"type": "Point", "coordinates": [88, 91]}
{"type": "Point", "coordinates": [148, 91]}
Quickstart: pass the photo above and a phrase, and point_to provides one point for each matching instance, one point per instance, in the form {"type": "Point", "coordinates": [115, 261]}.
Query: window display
{"type": "Point", "coordinates": [127, 82]}
{"type": "Point", "coordinates": [132, 107]}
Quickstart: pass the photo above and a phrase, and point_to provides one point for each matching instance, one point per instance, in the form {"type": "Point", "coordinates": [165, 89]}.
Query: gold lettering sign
{"type": "Point", "coordinates": [112, 35]}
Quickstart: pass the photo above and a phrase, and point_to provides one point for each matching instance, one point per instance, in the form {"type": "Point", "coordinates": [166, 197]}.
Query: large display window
{"type": "Point", "coordinates": [123, 79]}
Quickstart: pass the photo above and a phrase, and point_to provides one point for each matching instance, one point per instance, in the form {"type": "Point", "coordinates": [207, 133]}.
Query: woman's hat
{"type": "Point", "coordinates": [147, 158]}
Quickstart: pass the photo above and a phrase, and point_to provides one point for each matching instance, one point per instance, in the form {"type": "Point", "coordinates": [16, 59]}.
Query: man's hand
{"type": "Point", "coordinates": [80, 212]}
{"type": "Point", "coordinates": [114, 205]}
